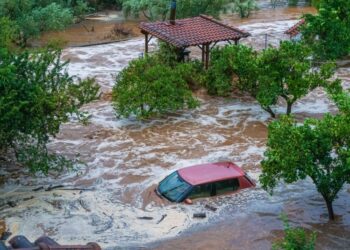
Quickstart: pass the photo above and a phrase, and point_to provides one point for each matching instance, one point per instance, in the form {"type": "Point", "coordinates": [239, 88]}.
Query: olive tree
{"type": "Point", "coordinates": [328, 31]}
{"type": "Point", "coordinates": [286, 72]}
{"type": "Point", "coordinates": [159, 9]}
{"type": "Point", "coordinates": [146, 87]}
{"type": "Point", "coordinates": [36, 96]}
{"type": "Point", "coordinates": [244, 7]}
{"type": "Point", "coordinates": [317, 149]}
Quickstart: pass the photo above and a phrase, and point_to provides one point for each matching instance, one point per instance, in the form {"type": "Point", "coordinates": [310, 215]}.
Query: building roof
{"type": "Point", "coordinates": [193, 31]}
{"type": "Point", "coordinates": [295, 29]}
{"type": "Point", "coordinates": [211, 172]}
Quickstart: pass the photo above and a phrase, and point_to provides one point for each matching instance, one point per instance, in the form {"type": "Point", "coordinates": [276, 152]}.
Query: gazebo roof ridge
{"type": "Point", "coordinates": [192, 31]}
{"type": "Point", "coordinates": [295, 29]}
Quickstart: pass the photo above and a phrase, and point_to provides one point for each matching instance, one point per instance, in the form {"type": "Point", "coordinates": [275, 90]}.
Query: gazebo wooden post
{"type": "Point", "coordinates": [207, 54]}
{"type": "Point", "coordinates": [203, 53]}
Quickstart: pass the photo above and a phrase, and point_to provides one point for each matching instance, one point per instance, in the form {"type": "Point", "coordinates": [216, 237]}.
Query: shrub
{"type": "Point", "coordinates": [147, 87]}
{"type": "Point", "coordinates": [244, 7]}
{"type": "Point", "coordinates": [231, 65]}
{"type": "Point", "coordinates": [295, 239]}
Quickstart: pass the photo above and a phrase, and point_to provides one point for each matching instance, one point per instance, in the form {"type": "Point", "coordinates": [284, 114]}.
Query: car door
{"type": "Point", "coordinates": [201, 191]}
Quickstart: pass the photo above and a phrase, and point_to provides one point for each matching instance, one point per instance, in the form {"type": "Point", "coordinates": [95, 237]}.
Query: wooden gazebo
{"type": "Point", "coordinates": [202, 31]}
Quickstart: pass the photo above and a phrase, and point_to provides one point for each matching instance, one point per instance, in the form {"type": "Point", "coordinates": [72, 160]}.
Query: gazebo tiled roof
{"type": "Point", "coordinates": [193, 31]}
{"type": "Point", "coordinates": [295, 29]}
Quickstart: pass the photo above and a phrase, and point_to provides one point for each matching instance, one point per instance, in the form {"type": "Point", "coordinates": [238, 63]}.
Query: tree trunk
{"type": "Point", "coordinates": [270, 111]}
{"type": "Point", "coordinates": [330, 209]}
{"type": "Point", "coordinates": [289, 108]}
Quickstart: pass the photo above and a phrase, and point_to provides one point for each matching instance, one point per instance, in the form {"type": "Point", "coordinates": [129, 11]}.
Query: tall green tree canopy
{"type": "Point", "coordinates": [285, 72]}
{"type": "Point", "coordinates": [32, 18]}
{"type": "Point", "coordinates": [159, 9]}
{"type": "Point", "coordinates": [36, 96]}
{"type": "Point", "coordinates": [328, 32]}
{"type": "Point", "coordinates": [318, 149]}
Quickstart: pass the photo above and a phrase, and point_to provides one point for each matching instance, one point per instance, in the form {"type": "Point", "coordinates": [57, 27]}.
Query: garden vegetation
{"type": "Point", "coordinates": [328, 32]}
{"type": "Point", "coordinates": [36, 96]}
{"type": "Point", "coordinates": [155, 85]}
{"type": "Point", "coordinates": [286, 72]}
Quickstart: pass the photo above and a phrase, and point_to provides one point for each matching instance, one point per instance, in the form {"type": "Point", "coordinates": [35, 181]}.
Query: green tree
{"type": "Point", "coordinates": [328, 32]}
{"type": "Point", "coordinates": [318, 149]}
{"type": "Point", "coordinates": [232, 66]}
{"type": "Point", "coordinates": [33, 17]}
{"type": "Point", "coordinates": [295, 239]}
{"type": "Point", "coordinates": [244, 7]}
{"type": "Point", "coordinates": [285, 72]}
{"type": "Point", "coordinates": [315, 3]}
{"type": "Point", "coordinates": [6, 32]}
{"type": "Point", "coordinates": [159, 9]}
{"type": "Point", "coordinates": [36, 96]}
{"type": "Point", "coordinates": [147, 87]}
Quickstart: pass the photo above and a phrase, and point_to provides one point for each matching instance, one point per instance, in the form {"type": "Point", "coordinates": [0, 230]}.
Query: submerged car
{"type": "Point", "coordinates": [204, 180]}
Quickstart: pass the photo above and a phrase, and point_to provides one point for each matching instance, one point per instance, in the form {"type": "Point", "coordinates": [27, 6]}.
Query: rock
{"type": "Point", "coordinates": [200, 215]}
{"type": "Point", "coordinates": [210, 207]}
{"type": "Point", "coordinates": [145, 218]}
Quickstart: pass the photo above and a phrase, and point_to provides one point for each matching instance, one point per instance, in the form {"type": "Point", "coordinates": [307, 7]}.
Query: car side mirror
{"type": "Point", "coordinates": [188, 201]}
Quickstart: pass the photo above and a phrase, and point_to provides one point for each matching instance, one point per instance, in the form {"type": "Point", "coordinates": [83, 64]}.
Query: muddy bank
{"type": "Point", "coordinates": [100, 28]}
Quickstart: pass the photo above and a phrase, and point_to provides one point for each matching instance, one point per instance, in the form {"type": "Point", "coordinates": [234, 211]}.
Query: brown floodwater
{"type": "Point", "coordinates": [124, 159]}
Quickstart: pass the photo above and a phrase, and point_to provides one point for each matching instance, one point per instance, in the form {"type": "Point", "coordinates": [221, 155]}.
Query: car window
{"type": "Point", "coordinates": [174, 187]}
{"type": "Point", "coordinates": [227, 186]}
{"type": "Point", "coordinates": [201, 191]}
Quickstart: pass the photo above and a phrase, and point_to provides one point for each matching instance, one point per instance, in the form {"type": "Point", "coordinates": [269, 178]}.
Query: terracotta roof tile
{"type": "Point", "coordinates": [193, 31]}
{"type": "Point", "coordinates": [295, 29]}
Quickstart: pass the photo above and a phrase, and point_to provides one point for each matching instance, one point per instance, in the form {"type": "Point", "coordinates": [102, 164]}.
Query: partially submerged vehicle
{"type": "Point", "coordinates": [204, 180]}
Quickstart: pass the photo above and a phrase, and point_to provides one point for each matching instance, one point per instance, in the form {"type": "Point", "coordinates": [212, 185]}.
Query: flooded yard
{"type": "Point", "coordinates": [110, 198]}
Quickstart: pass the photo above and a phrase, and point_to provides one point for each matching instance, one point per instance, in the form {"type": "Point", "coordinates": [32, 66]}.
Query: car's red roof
{"type": "Point", "coordinates": [211, 172]}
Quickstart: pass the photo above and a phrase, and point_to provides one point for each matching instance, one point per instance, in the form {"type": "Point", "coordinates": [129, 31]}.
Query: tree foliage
{"type": "Point", "coordinates": [159, 9]}
{"type": "Point", "coordinates": [147, 87]}
{"type": "Point", "coordinates": [36, 96]}
{"type": "Point", "coordinates": [295, 239]}
{"type": "Point", "coordinates": [32, 19]}
{"type": "Point", "coordinates": [285, 72]}
{"type": "Point", "coordinates": [7, 31]}
{"type": "Point", "coordinates": [328, 32]}
{"type": "Point", "coordinates": [318, 149]}
{"type": "Point", "coordinates": [244, 7]}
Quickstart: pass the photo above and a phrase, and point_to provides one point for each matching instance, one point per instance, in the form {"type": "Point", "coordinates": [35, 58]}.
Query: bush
{"type": "Point", "coordinates": [7, 31]}
{"type": "Point", "coordinates": [159, 9]}
{"type": "Point", "coordinates": [295, 239]}
{"type": "Point", "coordinates": [231, 65]}
{"type": "Point", "coordinates": [244, 7]}
{"type": "Point", "coordinates": [36, 96]}
{"type": "Point", "coordinates": [147, 87]}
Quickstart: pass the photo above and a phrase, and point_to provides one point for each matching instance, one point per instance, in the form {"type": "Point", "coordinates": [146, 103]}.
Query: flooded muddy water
{"type": "Point", "coordinates": [110, 199]}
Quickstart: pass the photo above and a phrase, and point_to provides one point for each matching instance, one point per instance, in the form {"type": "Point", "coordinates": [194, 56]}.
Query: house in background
{"type": "Point", "coordinates": [294, 32]}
